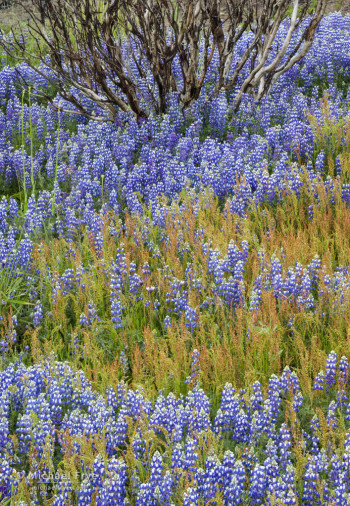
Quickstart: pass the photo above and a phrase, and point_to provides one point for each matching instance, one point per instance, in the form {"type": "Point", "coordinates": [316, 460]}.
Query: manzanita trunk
{"type": "Point", "coordinates": [96, 45]}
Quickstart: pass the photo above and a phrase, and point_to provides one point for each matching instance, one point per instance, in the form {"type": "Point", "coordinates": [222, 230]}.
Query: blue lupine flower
{"type": "Point", "coordinates": [331, 369]}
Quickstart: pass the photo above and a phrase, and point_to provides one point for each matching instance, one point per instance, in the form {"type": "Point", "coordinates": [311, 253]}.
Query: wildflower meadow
{"type": "Point", "coordinates": [175, 293]}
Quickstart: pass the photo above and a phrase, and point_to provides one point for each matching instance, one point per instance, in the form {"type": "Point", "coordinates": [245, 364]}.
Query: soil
{"type": "Point", "coordinates": [335, 5]}
{"type": "Point", "coordinates": [10, 16]}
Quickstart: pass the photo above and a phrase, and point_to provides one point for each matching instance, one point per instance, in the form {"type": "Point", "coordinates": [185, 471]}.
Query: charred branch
{"type": "Point", "coordinates": [106, 48]}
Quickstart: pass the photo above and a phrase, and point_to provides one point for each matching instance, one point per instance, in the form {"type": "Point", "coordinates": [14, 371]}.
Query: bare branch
{"type": "Point", "coordinates": [125, 55]}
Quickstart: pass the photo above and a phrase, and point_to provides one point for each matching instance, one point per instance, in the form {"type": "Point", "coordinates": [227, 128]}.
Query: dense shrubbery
{"type": "Point", "coordinates": [173, 261]}
{"type": "Point", "coordinates": [130, 55]}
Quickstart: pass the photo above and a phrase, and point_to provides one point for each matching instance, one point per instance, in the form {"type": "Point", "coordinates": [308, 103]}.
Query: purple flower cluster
{"type": "Point", "coordinates": [245, 159]}
{"type": "Point", "coordinates": [300, 284]}
{"type": "Point", "coordinates": [258, 447]}
{"type": "Point", "coordinates": [129, 166]}
{"type": "Point", "coordinates": [58, 411]}
{"type": "Point", "coordinates": [309, 287]}
{"type": "Point", "coordinates": [159, 157]}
